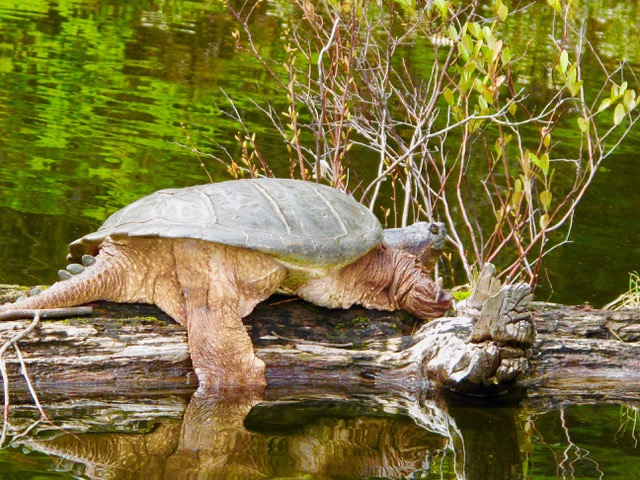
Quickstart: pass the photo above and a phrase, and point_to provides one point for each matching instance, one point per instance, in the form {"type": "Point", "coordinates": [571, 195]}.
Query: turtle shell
{"type": "Point", "coordinates": [299, 222]}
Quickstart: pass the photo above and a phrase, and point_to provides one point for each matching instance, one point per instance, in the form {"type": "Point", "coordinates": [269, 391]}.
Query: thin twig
{"type": "Point", "coordinates": [3, 369]}
{"type": "Point", "coordinates": [65, 312]}
{"type": "Point", "coordinates": [310, 342]}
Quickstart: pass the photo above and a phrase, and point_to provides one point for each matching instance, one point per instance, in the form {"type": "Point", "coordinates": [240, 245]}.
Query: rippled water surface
{"type": "Point", "coordinates": [94, 97]}
{"type": "Point", "coordinates": [101, 102]}
{"type": "Point", "coordinates": [174, 437]}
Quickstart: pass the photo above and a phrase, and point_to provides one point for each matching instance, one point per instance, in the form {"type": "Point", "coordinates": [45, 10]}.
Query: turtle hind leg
{"type": "Point", "coordinates": [220, 285]}
{"type": "Point", "coordinates": [95, 282]}
{"type": "Point", "coordinates": [124, 270]}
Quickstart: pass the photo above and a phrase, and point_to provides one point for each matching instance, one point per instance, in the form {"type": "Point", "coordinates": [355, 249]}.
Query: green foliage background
{"type": "Point", "coordinates": [93, 95]}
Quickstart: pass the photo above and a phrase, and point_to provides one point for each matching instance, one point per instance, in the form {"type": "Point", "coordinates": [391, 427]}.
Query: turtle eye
{"type": "Point", "coordinates": [434, 229]}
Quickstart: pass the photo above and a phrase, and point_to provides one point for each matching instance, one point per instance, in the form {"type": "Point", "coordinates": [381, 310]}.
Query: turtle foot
{"type": "Point", "coordinates": [249, 374]}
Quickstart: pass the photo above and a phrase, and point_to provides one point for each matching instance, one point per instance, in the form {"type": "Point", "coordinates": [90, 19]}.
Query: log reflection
{"type": "Point", "coordinates": [246, 437]}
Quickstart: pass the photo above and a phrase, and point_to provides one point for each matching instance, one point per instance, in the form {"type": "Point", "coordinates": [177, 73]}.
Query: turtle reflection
{"type": "Point", "coordinates": [237, 437]}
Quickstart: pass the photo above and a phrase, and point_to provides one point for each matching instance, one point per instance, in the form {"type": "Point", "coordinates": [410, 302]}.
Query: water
{"type": "Point", "coordinates": [172, 437]}
{"type": "Point", "coordinates": [98, 102]}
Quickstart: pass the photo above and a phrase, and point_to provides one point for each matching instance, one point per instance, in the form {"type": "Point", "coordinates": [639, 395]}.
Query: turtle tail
{"type": "Point", "coordinates": [86, 284]}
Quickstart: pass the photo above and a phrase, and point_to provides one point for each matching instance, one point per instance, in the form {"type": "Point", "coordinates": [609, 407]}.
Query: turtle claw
{"type": "Point", "coordinates": [88, 260]}
{"type": "Point", "coordinates": [64, 275]}
{"type": "Point", "coordinates": [75, 268]}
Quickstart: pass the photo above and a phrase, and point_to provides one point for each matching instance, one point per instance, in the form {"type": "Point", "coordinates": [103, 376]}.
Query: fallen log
{"type": "Point", "coordinates": [486, 347]}
{"type": "Point", "coordinates": [584, 354]}
{"type": "Point", "coordinates": [300, 344]}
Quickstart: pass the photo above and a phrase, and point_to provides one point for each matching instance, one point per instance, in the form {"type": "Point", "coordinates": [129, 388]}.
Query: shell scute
{"type": "Point", "coordinates": [300, 222]}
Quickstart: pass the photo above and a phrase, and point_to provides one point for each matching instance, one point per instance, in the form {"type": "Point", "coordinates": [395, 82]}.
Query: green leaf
{"type": "Point", "coordinates": [544, 164]}
{"type": "Point", "coordinates": [544, 221]}
{"type": "Point", "coordinates": [488, 96]}
{"type": "Point", "coordinates": [545, 199]}
{"type": "Point", "coordinates": [506, 55]}
{"type": "Point", "coordinates": [448, 96]}
{"type": "Point", "coordinates": [488, 36]}
{"type": "Point", "coordinates": [517, 186]}
{"type": "Point", "coordinates": [629, 99]}
{"type": "Point", "coordinates": [503, 11]}
{"type": "Point", "coordinates": [516, 197]}
{"type": "Point", "coordinates": [564, 61]}
{"type": "Point", "coordinates": [618, 114]}
{"type": "Point", "coordinates": [534, 159]}
{"type": "Point", "coordinates": [517, 192]}
{"type": "Point", "coordinates": [463, 51]}
{"type": "Point", "coordinates": [467, 42]}
{"type": "Point", "coordinates": [470, 66]}
{"type": "Point", "coordinates": [484, 104]}
{"type": "Point", "coordinates": [575, 88]}
{"type": "Point", "coordinates": [572, 76]}
{"type": "Point", "coordinates": [465, 84]}
{"type": "Point", "coordinates": [583, 124]}
{"type": "Point", "coordinates": [478, 85]}
{"type": "Point", "coordinates": [618, 91]}
{"type": "Point", "coordinates": [606, 103]}
{"type": "Point", "coordinates": [453, 33]}
{"type": "Point", "coordinates": [475, 30]}
{"type": "Point", "coordinates": [556, 5]}
{"type": "Point", "coordinates": [443, 6]}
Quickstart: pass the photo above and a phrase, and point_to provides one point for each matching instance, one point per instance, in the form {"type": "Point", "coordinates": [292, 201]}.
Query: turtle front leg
{"type": "Point", "coordinates": [220, 285]}
{"type": "Point", "coordinates": [220, 348]}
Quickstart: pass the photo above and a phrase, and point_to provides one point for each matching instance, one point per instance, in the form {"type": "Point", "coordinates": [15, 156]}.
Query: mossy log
{"type": "Point", "coordinates": [485, 348]}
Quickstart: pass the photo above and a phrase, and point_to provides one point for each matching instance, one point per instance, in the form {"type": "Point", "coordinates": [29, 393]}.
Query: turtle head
{"type": "Point", "coordinates": [424, 240]}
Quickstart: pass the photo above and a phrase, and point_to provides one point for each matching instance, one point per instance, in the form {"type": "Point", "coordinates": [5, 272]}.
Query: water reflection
{"type": "Point", "coordinates": [214, 443]}
{"type": "Point", "coordinates": [244, 437]}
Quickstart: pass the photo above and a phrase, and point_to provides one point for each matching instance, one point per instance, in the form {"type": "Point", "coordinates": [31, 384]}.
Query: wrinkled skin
{"type": "Point", "coordinates": [209, 288]}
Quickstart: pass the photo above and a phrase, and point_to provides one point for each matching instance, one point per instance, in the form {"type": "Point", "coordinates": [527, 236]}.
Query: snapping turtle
{"type": "Point", "coordinates": [206, 255]}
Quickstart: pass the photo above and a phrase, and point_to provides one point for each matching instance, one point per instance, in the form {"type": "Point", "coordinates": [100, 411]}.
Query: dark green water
{"type": "Point", "coordinates": [93, 96]}
{"type": "Point", "coordinates": [167, 437]}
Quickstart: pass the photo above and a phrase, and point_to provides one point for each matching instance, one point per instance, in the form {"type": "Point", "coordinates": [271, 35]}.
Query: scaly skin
{"type": "Point", "coordinates": [384, 279]}
{"type": "Point", "coordinates": [209, 288]}
{"type": "Point", "coordinates": [204, 286]}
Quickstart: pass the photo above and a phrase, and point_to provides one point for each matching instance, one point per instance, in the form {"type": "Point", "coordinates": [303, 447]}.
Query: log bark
{"type": "Point", "coordinates": [120, 384]}
{"type": "Point", "coordinates": [579, 352]}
